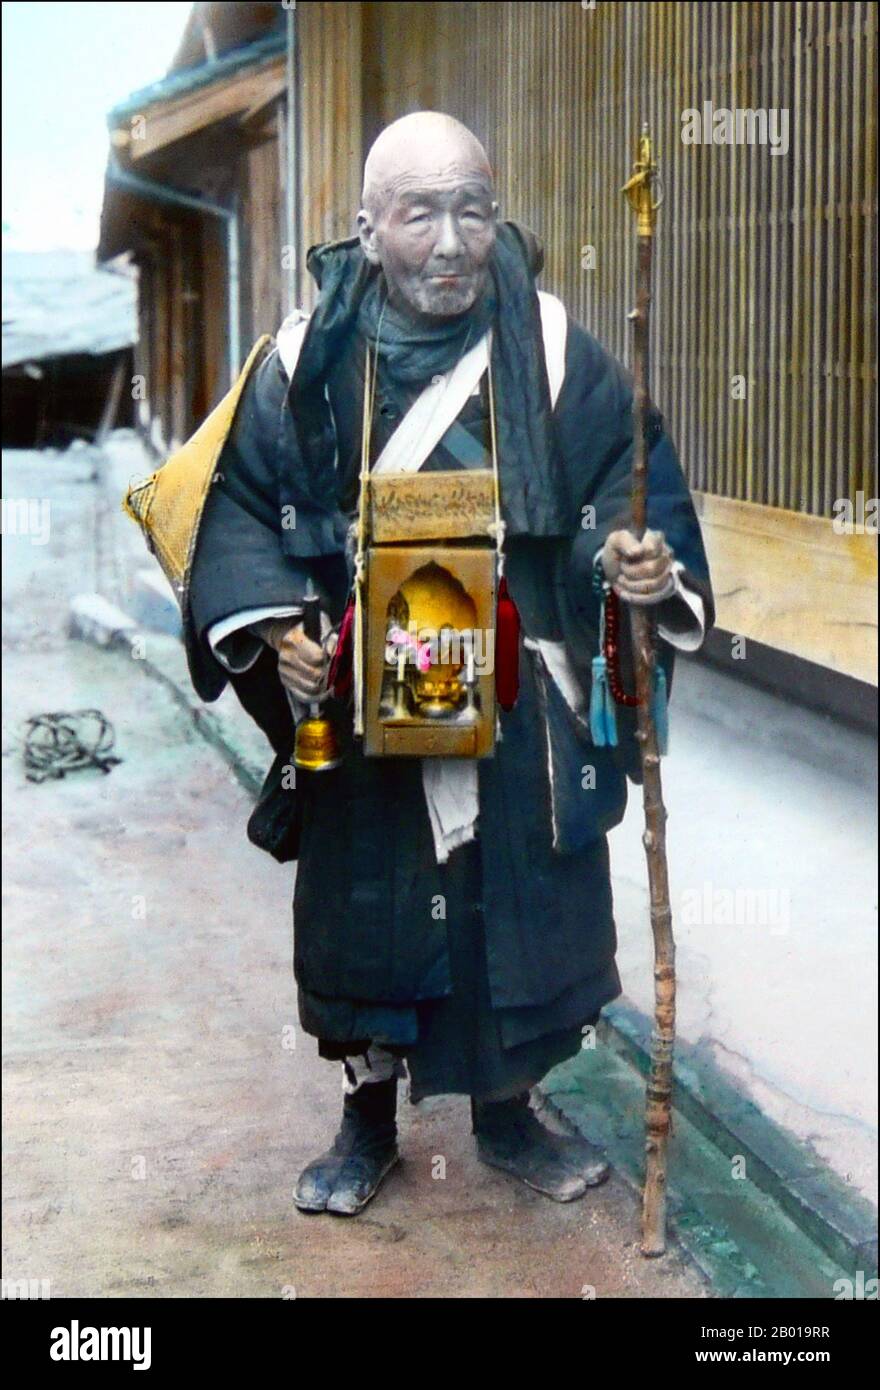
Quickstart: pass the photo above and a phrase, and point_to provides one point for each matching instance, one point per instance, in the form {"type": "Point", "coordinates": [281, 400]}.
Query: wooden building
{"type": "Point", "coordinates": [194, 190]}
{"type": "Point", "coordinates": [764, 353]}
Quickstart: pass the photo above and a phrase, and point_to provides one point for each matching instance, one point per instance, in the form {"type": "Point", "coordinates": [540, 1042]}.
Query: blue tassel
{"type": "Point", "coordinates": [597, 701]}
{"type": "Point", "coordinates": [603, 717]}
{"type": "Point", "coordinates": [659, 710]}
{"type": "Point", "coordinates": [610, 717]}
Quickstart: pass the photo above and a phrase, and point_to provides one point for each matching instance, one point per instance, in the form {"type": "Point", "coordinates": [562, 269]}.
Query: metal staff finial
{"type": "Point", "coordinates": [640, 187]}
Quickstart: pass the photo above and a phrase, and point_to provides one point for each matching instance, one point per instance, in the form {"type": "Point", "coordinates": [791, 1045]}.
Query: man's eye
{"type": "Point", "coordinates": [474, 214]}
{"type": "Point", "coordinates": [418, 217]}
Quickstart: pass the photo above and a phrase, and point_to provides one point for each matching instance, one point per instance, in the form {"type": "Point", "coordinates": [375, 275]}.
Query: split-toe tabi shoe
{"type": "Point", "coordinates": [511, 1137]}
{"type": "Point", "coordinates": [345, 1178]}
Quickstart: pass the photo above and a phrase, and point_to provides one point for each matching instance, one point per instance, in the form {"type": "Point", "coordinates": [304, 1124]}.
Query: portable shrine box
{"type": "Point", "coordinates": [429, 616]}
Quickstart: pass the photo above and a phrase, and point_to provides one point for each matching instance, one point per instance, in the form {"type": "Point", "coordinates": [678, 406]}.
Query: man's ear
{"type": "Point", "coordinates": [367, 234]}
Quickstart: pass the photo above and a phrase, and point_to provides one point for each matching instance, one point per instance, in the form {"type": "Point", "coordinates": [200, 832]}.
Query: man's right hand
{"type": "Point", "coordinates": [302, 664]}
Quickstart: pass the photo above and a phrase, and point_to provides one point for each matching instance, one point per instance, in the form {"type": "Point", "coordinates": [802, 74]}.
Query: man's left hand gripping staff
{"type": "Point", "coordinates": [639, 571]}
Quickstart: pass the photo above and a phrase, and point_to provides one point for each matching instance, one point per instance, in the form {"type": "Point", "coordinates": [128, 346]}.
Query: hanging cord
{"type": "Point", "coordinates": [498, 529]}
{"type": "Point", "coordinates": [370, 374]}
{"type": "Point", "coordinates": [56, 744]}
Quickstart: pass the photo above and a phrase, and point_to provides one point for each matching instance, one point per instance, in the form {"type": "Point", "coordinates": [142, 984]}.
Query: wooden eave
{"type": "Point", "coordinates": [166, 122]}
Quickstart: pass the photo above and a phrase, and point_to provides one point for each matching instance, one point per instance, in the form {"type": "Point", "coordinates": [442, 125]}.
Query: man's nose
{"type": "Point", "coordinates": [449, 243]}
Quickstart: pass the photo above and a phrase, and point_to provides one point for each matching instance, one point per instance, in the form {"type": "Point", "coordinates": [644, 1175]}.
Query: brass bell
{"type": "Point", "coordinates": [317, 747]}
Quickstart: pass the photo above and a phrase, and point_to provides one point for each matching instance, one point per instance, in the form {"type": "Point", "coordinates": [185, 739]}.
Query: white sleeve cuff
{"type": "Point", "coordinates": [688, 639]}
{"type": "Point", "coordinates": [241, 655]}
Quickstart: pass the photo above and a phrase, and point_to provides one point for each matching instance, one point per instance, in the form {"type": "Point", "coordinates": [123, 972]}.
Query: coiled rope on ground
{"type": "Point", "coordinates": [63, 742]}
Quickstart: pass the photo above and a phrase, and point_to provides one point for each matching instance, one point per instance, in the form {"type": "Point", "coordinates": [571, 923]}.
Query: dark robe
{"type": "Point", "coordinates": [372, 958]}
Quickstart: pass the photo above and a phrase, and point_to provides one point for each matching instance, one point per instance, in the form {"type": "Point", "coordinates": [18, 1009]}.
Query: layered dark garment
{"type": "Point", "coordinates": [528, 938]}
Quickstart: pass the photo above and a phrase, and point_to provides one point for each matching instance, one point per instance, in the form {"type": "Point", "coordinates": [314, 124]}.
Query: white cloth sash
{"type": "Point", "coordinates": [431, 414]}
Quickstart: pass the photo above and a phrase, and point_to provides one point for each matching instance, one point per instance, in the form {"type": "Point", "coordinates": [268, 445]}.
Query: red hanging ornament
{"type": "Point", "coordinates": [507, 627]}
{"type": "Point", "coordinates": [341, 670]}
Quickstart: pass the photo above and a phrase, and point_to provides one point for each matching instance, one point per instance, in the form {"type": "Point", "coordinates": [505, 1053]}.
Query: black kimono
{"type": "Point", "coordinates": [485, 997]}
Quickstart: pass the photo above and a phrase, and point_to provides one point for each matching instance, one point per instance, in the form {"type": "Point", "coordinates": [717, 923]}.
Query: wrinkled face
{"type": "Point", "coordinates": [433, 233]}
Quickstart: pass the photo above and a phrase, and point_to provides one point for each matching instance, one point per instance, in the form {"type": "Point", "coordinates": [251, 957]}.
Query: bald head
{"type": "Point", "coordinates": [425, 144]}
{"type": "Point", "coordinates": [429, 213]}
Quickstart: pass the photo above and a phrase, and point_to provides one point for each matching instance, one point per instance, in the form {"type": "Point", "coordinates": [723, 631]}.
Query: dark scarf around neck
{"type": "Point", "coordinates": [413, 352]}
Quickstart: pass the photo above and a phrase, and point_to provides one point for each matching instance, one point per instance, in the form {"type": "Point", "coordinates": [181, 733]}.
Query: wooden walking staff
{"type": "Point", "coordinates": [640, 191]}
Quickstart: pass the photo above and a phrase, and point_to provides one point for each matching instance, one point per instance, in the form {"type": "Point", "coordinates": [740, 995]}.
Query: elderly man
{"type": "Point", "coordinates": [484, 996]}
